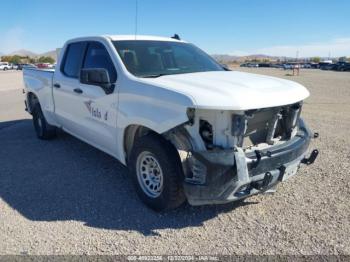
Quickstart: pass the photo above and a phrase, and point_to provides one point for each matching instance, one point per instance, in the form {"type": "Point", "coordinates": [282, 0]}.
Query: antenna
{"type": "Point", "coordinates": [176, 36]}
{"type": "Point", "coordinates": [136, 16]}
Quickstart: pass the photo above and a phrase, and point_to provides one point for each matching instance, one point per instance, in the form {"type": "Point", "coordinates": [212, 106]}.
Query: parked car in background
{"type": "Point", "coordinates": [341, 66]}
{"type": "Point", "coordinates": [249, 65]}
{"type": "Point", "coordinates": [51, 66]}
{"type": "Point", "coordinates": [314, 65]}
{"type": "Point", "coordinates": [13, 66]}
{"type": "Point", "coordinates": [345, 67]}
{"type": "Point", "coordinates": [264, 65]}
{"type": "Point", "coordinates": [43, 65]}
{"type": "Point", "coordinates": [287, 66]}
{"type": "Point", "coordinates": [306, 65]}
{"type": "Point", "coordinates": [276, 65]}
{"type": "Point", "coordinates": [253, 65]}
{"type": "Point", "coordinates": [328, 66]}
{"type": "Point", "coordinates": [325, 65]}
{"type": "Point", "coordinates": [5, 66]}
{"type": "Point", "coordinates": [21, 66]}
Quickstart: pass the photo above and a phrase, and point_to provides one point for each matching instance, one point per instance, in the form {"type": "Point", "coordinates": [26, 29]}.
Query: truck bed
{"type": "Point", "coordinates": [39, 81]}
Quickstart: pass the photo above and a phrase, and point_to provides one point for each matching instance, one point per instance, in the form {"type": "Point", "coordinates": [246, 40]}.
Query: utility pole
{"type": "Point", "coordinates": [136, 16]}
{"type": "Point", "coordinates": [297, 56]}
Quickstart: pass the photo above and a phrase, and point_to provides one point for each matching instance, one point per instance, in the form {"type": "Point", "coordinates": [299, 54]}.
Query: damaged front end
{"type": "Point", "coordinates": [230, 155]}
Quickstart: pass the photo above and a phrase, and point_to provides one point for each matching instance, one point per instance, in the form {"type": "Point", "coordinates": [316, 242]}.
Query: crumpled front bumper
{"type": "Point", "coordinates": [222, 176]}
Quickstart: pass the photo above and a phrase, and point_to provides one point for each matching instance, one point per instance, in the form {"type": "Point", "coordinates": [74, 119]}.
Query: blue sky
{"type": "Point", "coordinates": [276, 27]}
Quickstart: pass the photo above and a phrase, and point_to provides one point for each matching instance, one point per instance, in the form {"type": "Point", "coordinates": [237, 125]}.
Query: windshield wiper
{"type": "Point", "coordinates": [153, 76]}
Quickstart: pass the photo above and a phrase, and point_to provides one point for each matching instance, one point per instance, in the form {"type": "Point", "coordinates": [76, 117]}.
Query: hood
{"type": "Point", "coordinates": [231, 90]}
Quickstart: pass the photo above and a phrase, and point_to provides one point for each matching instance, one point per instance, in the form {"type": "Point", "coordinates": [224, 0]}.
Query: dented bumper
{"type": "Point", "coordinates": [221, 176]}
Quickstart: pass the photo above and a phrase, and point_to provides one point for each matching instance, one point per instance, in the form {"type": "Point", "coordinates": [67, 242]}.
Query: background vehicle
{"type": "Point", "coordinates": [5, 66]}
{"type": "Point", "coordinates": [14, 66]}
{"type": "Point", "coordinates": [287, 66]}
{"type": "Point", "coordinates": [325, 64]}
{"type": "Point", "coordinates": [277, 65]}
{"type": "Point", "coordinates": [21, 66]}
{"type": "Point", "coordinates": [342, 66]}
{"type": "Point", "coordinates": [43, 65]}
{"type": "Point", "coordinates": [186, 127]}
{"type": "Point", "coordinates": [328, 66]}
{"type": "Point", "coordinates": [307, 66]}
{"type": "Point", "coordinates": [264, 65]}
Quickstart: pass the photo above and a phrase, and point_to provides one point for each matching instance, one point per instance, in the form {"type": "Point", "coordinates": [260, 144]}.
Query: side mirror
{"type": "Point", "coordinates": [97, 77]}
{"type": "Point", "coordinates": [225, 67]}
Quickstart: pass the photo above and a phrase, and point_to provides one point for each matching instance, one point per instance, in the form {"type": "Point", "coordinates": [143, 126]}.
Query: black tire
{"type": "Point", "coordinates": [171, 195]}
{"type": "Point", "coordinates": [43, 129]}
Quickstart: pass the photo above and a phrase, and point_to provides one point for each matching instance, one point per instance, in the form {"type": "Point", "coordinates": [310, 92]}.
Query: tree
{"type": "Point", "coordinates": [31, 60]}
{"type": "Point", "coordinates": [46, 59]}
{"type": "Point", "coordinates": [16, 59]}
{"type": "Point", "coordinates": [342, 59]}
{"type": "Point", "coordinates": [5, 58]}
{"type": "Point", "coordinates": [315, 59]}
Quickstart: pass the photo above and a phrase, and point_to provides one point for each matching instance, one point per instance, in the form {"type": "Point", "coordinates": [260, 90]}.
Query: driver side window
{"type": "Point", "coordinates": [97, 56]}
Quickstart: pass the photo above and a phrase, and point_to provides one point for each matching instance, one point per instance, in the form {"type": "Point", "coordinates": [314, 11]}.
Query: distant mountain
{"type": "Point", "coordinates": [24, 52]}
{"type": "Point", "coordinates": [226, 58]}
{"type": "Point", "coordinates": [52, 54]}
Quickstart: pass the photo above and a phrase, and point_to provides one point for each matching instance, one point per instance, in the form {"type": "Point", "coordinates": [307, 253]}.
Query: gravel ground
{"type": "Point", "coordinates": [65, 197]}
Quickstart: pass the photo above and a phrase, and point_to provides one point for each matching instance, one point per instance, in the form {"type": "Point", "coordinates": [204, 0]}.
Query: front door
{"type": "Point", "coordinates": [87, 111]}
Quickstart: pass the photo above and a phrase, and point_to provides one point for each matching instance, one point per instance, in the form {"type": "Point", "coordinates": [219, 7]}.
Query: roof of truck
{"type": "Point", "coordinates": [141, 37]}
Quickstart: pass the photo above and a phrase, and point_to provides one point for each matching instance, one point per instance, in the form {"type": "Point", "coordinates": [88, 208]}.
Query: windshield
{"type": "Point", "coordinates": [157, 58]}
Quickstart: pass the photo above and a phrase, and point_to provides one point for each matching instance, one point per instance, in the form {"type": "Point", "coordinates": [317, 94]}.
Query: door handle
{"type": "Point", "coordinates": [78, 90]}
{"type": "Point", "coordinates": [57, 85]}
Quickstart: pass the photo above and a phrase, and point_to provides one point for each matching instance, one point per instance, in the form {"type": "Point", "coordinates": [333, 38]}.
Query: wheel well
{"type": "Point", "coordinates": [178, 138]}
{"type": "Point", "coordinates": [32, 101]}
{"type": "Point", "coordinates": [132, 133]}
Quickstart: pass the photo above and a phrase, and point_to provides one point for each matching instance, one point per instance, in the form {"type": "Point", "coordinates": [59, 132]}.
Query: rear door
{"type": "Point", "coordinates": [66, 79]}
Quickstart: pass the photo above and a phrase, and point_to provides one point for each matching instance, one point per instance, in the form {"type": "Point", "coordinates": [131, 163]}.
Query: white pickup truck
{"type": "Point", "coordinates": [186, 126]}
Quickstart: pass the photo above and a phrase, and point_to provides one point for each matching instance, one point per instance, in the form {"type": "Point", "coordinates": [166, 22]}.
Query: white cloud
{"type": "Point", "coordinates": [336, 47]}
{"type": "Point", "coordinates": [11, 40]}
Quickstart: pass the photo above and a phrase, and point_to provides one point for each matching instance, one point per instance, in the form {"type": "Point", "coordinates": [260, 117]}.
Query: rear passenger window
{"type": "Point", "coordinates": [73, 59]}
{"type": "Point", "coordinates": [97, 57]}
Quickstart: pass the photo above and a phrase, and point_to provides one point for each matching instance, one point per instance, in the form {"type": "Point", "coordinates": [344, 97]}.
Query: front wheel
{"type": "Point", "coordinates": [43, 129]}
{"type": "Point", "coordinates": [157, 173]}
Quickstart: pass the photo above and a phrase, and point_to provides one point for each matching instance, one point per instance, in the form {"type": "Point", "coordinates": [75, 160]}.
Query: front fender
{"type": "Point", "coordinates": [150, 106]}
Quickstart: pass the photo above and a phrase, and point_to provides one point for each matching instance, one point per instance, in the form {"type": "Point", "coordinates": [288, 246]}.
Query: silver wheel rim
{"type": "Point", "coordinates": [149, 174]}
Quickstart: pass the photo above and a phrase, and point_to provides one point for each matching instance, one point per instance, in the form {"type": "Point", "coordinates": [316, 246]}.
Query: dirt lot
{"type": "Point", "coordinates": [65, 197]}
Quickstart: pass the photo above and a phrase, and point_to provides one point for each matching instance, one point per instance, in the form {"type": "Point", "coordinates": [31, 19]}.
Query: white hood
{"type": "Point", "coordinates": [231, 90]}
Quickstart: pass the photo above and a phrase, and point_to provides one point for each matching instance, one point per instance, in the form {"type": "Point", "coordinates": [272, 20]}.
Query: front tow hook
{"type": "Point", "coordinates": [311, 159]}
{"type": "Point", "coordinates": [264, 184]}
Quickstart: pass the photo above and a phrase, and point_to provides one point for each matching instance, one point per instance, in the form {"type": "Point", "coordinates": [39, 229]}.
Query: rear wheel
{"type": "Point", "coordinates": [157, 173]}
{"type": "Point", "coordinates": [43, 129]}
